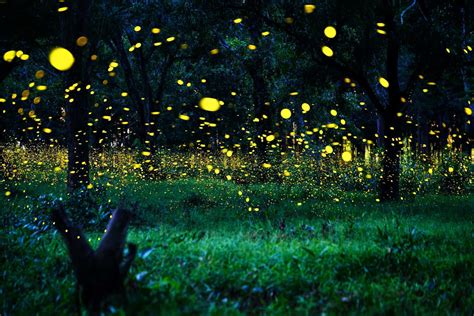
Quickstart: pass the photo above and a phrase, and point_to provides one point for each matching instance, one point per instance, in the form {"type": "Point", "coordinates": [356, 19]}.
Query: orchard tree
{"type": "Point", "coordinates": [387, 48]}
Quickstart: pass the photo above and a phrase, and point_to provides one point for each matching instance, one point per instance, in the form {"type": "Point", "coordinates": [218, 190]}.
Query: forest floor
{"type": "Point", "coordinates": [303, 252]}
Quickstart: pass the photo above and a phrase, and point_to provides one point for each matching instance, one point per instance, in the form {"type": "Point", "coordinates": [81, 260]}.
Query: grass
{"type": "Point", "coordinates": [203, 252]}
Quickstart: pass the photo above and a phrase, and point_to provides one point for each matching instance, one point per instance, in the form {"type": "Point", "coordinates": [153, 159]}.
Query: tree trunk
{"type": "Point", "coordinates": [392, 126]}
{"type": "Point", "coordinates": [255, 68]}
{"type": "Point", "coordinates": [131, 86]}
{"type": "Point", "coordinates": [260, 96]}
{"type": "Point", "coordinates": [148, 102]}
{"type": "Point", "coordinates": [389, 188]}
{"type": "Point", "coordinates": [99, 273]}
{"type": "Point", "coordinates": [74, 25]}
{"type": "Point", "coordinates": [157, 105]}
{"type": "Point", "coordinates": [78, 141]}
{"type": "Point", "coordinates": [380, 131]}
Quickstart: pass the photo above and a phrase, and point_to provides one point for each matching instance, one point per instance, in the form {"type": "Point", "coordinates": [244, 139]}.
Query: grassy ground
{"type": "Point", "coordinates": [300, 250]}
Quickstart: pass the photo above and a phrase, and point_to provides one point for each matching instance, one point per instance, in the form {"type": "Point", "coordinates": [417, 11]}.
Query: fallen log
{"type": "Point", "coordinates": [100, 273]}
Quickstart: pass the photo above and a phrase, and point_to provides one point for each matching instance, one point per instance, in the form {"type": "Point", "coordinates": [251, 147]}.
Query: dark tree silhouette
{"type": "Point", "coordinates": [99, 273]}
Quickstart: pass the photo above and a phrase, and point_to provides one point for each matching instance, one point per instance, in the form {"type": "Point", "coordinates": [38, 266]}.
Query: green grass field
{"type": "Point", "coordinates": [303, 252]}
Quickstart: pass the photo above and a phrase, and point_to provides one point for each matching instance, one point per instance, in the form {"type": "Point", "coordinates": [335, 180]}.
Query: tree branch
{"type": "Point", "coordinates": [319, 57]}
{"type": "Point", "coordinates": [406, 10]}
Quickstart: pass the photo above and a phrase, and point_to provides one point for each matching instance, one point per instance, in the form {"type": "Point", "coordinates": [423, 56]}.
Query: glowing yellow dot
{"type": "Point", "coordinates": [61, 59]}
{"type": "Point", "coordinates": [81, 41]}
{"type": "Point", "coordinates": [9, 56]}
{"type": "Point", "coordinates": [137, 28]}
{"type": "Point", "coordinates": [170, 39]}
{"type": "Point", "coordinates": [184, 117]}
{"type": "Point", "coordinates": [330, 32]}
{"type": "Point", "coordinates": [62, 9]}
{"type": "Point", "coordinates": [309, 8]}
{"type": "Point", "coordinates": [285, 113]}
{"type": "Point", "coordinates": [384, 82]}
{"type": "Point", "coordinates": [146, 153]}
{"type": "Point", "coordinates": [305, 107]}
{"type": "Point", "coordinates": [155, 30]}
{"type": "Point", "coordinates": [39, 74]}
{"type": "Point", "coordinates": [252, 47]}
{"type": "Point", "coordinates": [267, 165]}
{"type": "Point", "coordinates": [209, 104]}
{"type": "Point", "coordinates": [327, 51]}
{"type": "Point", "coordinates": [215, 51]}
{"type": "Point", "coordinates": [328, 149]}
{"type": "Point", "coordinates": [266, 33]}
{"type": "Point", "coordinates": [47, 130]}
{"type": "Point", "coordinates": [468, 111]}
{"type": "Point", "coordinates": [333, 112]}
{"type": "Point", "coordinates": [270, 138]}
{"type": "Point", "coordinates": [238, 20]}
{"type": "Point", "coordinates": [8, 193]}
{"type": "Point", "coordinates": [346, 156]}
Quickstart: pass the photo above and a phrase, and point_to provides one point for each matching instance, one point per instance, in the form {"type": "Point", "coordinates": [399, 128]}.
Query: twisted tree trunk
{"type": "Point", "coordinates": [100, 273]}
